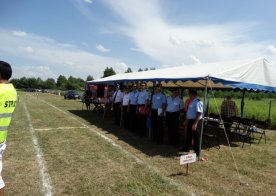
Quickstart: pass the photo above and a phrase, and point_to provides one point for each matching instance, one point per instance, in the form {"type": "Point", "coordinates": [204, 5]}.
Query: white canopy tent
{"type": "Point", "coordinates": [257, 75]}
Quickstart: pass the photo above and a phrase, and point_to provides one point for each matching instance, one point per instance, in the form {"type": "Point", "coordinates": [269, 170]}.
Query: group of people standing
{"type": "Point", "coordinates": [137, 110]}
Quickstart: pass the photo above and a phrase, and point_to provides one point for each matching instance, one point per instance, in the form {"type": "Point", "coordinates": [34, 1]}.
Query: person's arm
{"type": "Point", "coordinates": [128, 107]}
{"type": "Point", "coordinates": [147, 100]}
{"type": "Point", "coordinates": [164, 103]}
{"type": "Point", "coordinates": [199, 109]}
{"type": "Point", "coordinates": [221, 108]}
{"type": "Point", "coordinates": [181, 106]}
{"type": "Point", "coordinates": [198, 114]}
{"type": "Point", "coordinates": [122, 100]}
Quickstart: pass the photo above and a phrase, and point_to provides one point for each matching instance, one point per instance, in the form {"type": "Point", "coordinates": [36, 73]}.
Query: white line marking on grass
{"type": "Point", "coordinates": [47, 188]}
{"type": "Point", "coordinates": [48, 129]}
{"type": "Point", "coordinates": [176, 183]}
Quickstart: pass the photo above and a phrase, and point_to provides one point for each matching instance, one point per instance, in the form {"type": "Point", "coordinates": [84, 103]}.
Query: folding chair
{"type": "Point", "coordinates": [211, 129]}
{"type": "Point", "coordinates": [259, 127]}
{"type": "Point", "coordinates": [242, 130]}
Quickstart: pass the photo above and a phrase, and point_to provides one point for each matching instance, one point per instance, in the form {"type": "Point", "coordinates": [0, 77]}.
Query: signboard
{"type": "Point", "coordinates": [187, 158]}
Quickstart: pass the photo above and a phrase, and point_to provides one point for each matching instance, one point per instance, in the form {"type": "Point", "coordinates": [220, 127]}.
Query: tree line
{"type": "Point", "coordinates": [62, 83]}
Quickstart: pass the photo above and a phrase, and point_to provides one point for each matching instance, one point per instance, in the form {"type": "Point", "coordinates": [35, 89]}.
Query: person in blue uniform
{"type": "Point", "coordinates": [157, 114]}
{"type": "Point", "coordinates": [143, 101]}
{"type": "Point", "coordinates": [117, 100]}
{"type": "Point", "coordinates": [174, 106]}
{"type": "Point", "coordinates": [194, 121]}
{"type": "Point", "coordinates": [124, 107]}
{"type": "Point", "coordinates": [132, 107]}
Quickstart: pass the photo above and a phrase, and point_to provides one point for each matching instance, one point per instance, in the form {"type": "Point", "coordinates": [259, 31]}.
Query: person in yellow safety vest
{"type": "Point", "coordinates": [8, 97]}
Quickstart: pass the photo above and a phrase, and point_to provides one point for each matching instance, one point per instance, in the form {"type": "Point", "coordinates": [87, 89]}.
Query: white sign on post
{"type": "Point", "coordinates": [187, 158]}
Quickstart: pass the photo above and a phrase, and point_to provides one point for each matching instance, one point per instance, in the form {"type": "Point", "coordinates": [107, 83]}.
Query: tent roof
{"type": "Point", "coordinates": [257, 75]}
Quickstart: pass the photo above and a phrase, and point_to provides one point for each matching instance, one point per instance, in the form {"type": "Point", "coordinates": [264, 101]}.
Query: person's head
{"type": "Point", "coordinates": [5, 70]}
{"type": "Point", "coordinates": [126, 89]}
{"type": "Point", "coordinates": [158, 88]}
{"type": "Point", "coordinates": [117, 86]}
{"type": "Point", "coordinates": [192, 93]}
{"type": "Point", "coordinates": [175, 92]}
{"type": "Point", "coordinates": [134, 87]}
{"type": "Point", "coordinates": [143, 85]}
{"type": "Point", "coordinates": [228, 98]}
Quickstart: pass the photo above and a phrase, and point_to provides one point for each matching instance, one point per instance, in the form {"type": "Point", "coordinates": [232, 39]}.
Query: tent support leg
{"type": "Point", "coordinates": [269, 111]}
{"type": "Point", "coordinates": [106, 99]}
{"type": "Point", "coordinates": [202, 124]}
{"type": "Point", "coordinates": [242, 104]}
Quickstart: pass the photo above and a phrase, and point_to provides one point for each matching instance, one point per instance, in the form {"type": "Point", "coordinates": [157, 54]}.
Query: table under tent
{"type": "Point", "coordinates": [243, 75]}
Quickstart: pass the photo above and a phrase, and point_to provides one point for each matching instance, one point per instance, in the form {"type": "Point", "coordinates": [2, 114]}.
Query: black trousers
{"type": "Point", "coordinates": [172, 119]}
{"type": "Point", "coordinates": [142, 123]}
{"type": "Point", "coordinates": [117, 112]}
{"type": "Point", "coordinates": [125, 117]}
{"type": "Point", "coordinates": [227, 124]}
{"type": "Point", "coordinates": [193, 135]}
{"type": "Point", "coordinates": [157, 127]}
{"type": "Point", "coordinates": [132, 117]}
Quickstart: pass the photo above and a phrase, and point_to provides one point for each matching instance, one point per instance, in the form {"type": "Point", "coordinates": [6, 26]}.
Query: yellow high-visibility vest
{"type": "Point", "coordinates": [8, 97]}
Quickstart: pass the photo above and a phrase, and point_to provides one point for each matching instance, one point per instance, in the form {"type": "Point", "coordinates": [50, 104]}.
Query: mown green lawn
{"type": "Point", "coordinates": [80, 162]}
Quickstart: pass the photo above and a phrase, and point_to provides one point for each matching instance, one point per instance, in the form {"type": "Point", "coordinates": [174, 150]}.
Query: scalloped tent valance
{"type": "Point", "coordinates": [257, 75]}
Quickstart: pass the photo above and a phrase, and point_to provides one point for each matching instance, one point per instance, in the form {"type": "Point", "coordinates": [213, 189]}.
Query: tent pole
{"type": "Point", "coordinates": [242, 104]}
{"type": "Point", "coordinates": [182, 93]}
{"type": "Point", "coordinates": [105, 101]}
{"type": "Point", "coordinates": [269, 111]}
{"type": "Point", "coordinates": [202, 124]}
{"type": "Point", "coordinates": [153, 89]}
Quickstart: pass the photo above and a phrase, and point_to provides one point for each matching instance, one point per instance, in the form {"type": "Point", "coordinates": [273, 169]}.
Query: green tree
{"type": "Point", "coordinates": [108, 72]}
{"type": "Point", "coordinates": [16, 83]}
{"type": "Point", "coordinates": [128, 70]}
{"type": "Point", "coordinates": [139, 70]}
{"type": "Point", "coordinates": [146, 69]}
{"type": "Point", "coordinates": [50, 83]}
{"type": "Point", "coordinates": [89, 78]}
{"type": "Point", "coordinates": [61, 82]}
{"type": "Point", "coordinates": [23, 82]}
{"type": "Point", "coordinates": [31, 82]}
{"type": "Point", "coordinates": [74, 83]}
{"type": "Point", "coordinates": [40, 83]}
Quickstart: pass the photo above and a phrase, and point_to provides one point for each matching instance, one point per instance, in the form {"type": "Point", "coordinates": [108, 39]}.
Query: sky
{"type": "Point", "coordinates": [78, 38]}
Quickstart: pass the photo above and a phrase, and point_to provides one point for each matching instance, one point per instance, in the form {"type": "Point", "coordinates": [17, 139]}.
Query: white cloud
{"type": "Point", "coordinates": [194, 60]}
{"type": "Point", "coordinates": [271, 49]}
{"type": "Point", "coordinates": [28, 49]}
{"type": "Point", "coordinates": [43, 72]}
{"type": "Point", "coordinates": [120, 67]}
{"type": "Point", "coordinates": [146, 26]}
{"type": "Point", "coordinates": [101, 48]}
{"type": "Point", "coordinates": [19, 33]}
{"type": "Point", "coordinates": [88, 1]}
{"type": "Point", "coordinates": [81, 5]}
{"type": "Point", "coordinates": [36, 50]}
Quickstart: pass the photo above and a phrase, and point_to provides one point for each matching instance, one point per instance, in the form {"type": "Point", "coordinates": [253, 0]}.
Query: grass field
{"type": "Point", "coordinates": [80, 154]}
{"type": "Point", "coordinates": [257, 109]}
